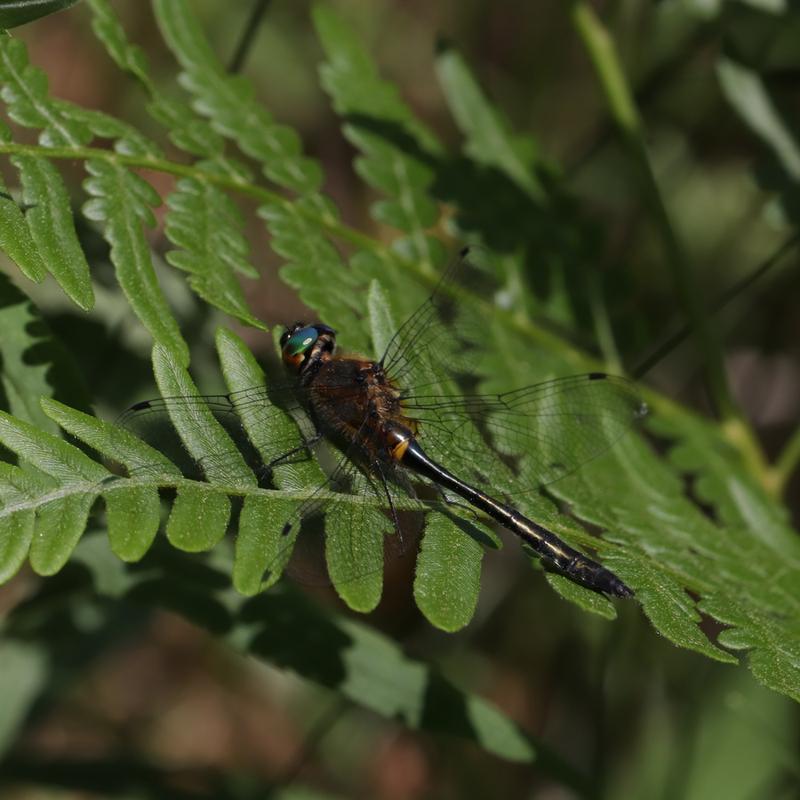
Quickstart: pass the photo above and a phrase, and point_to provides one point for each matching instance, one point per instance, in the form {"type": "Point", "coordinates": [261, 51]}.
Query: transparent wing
{"type": "Point", "coordinates": [266, 424]}
{"type": "Point", "coordinates": [541, 432]}
{"type": "Point", "coordinates": [435, 335]}
{"type": "Point", "coordinates": [343, 532]}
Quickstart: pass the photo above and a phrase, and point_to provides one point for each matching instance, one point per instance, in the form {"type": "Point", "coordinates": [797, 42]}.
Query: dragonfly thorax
{"type": "Point", "coordinates": [351, 400]}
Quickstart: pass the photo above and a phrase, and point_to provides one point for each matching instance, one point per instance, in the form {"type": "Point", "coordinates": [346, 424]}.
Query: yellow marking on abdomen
{"type": "Point", "coordinates": [402, 441]}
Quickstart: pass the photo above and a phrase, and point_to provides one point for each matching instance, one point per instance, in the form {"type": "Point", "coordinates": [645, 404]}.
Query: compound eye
{"type": "Point", "coordinates": [299, 342]}
{"type": "Point", "coordinates": [291, 330]}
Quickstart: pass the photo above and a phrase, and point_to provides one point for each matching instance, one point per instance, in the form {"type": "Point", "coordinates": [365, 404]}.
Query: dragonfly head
{"type": "Point", "coordinates": [302, 345]}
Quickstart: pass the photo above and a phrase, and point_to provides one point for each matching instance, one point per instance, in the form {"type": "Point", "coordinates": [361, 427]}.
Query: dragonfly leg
{"type": "Point", "coordinates": [378, 470]}
{"type": "Point", "coordinates": [266, 470]}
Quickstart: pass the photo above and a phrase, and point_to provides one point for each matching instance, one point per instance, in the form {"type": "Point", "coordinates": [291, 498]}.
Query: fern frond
{"type": "Point", "coordinates": [16, 239]}
{"type": "Point", "coordinates": [742, 567]}
{"type": "Point", "coordinates": [488, 140]}
{"type": "Point", "coordinates": [122, 202]}
{"type": "Point", "coordinates": [229, 103]}
{"type": "Point", "coordinates": [59, 499]}
{"type": "Point", "coordinates": [65, 125]}
{"type": "Point", "coordinates": [49, 219]}
{"type": "Point", "coordinates": [201, 220]}
{"type": "Point", "coordinates": [397, 149]}
{"type": "Point", "coordinates": [206, 224]}
{"type": "Point", "coordinates": [25, 93]}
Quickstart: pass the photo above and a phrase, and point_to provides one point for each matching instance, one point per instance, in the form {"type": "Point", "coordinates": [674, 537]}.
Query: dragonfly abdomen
{"type": "Point", "coordinates": [554, 552]}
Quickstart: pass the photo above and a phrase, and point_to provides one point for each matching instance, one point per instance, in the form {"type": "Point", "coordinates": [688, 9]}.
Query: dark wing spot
{"type": "Point", "coordinates": [141, 405]}
{"type": "Point", "coordinates": [597, 376]}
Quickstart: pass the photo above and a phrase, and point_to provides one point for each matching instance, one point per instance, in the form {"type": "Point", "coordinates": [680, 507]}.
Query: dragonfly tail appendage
{"type": "Point", "coordinates": [572, 564]}
{"type": "Point", "coordinates": [595, 576]}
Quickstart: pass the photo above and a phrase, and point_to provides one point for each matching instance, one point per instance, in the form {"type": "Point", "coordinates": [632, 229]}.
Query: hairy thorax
{"type": "Point", "coordinates": [351, 399]}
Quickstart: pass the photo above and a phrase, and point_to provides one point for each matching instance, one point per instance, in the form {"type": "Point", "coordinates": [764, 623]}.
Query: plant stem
{"type": "Point", "coordinates": [787, 462]}
{"type": "Point", "coordinates": [259, 193]}
{"type": "Point", "coordinates": [602, 53]}
{"type": "Point", "coordinates": [724, 298]}
{"type": "Point", "coordinates": [248, 35]}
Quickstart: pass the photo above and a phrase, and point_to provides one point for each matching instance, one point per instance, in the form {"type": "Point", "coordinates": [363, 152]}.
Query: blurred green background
{"type": "Point", "coordinates": [638, 717]}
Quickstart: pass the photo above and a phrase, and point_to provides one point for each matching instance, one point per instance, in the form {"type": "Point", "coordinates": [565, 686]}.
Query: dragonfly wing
{"type": "Point", "coordinates": [437, 334]}
{"type": "Point", "coordinates": [542, 432]}
{"type": "Point", "coordinates": [265, 424]}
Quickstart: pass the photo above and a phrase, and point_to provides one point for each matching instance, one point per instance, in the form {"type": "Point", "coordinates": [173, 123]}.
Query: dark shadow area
{"type": "Point", "coordinates": [509, 221]}
{"type": "Point", "coordinates": [289, 632]}
{"type": "Point", "coordinates": [41, 349]}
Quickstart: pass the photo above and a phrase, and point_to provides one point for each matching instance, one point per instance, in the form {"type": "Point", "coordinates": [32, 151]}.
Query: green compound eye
{"type": "Point", "coordinates": [300, 342]}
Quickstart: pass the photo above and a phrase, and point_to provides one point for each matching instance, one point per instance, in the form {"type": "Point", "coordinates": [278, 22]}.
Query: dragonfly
{"type": "Point", "coordinates": [400, 422]}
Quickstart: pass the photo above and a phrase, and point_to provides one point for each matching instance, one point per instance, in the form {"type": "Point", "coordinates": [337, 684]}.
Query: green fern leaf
{"type": "Point", "coordinates": [488, 140]}
{"type": "Point", "coordinates": [201, 220]}
{"type": "Point", "coordinates": [61, 498]}
{"type": "Point", "coordinates": [397, 148]}
{"type": "Point", "coordinates": [228, 101]}
{"type": "Point", "coordinates": [351, 77]}
{"type": "Point", "coordinates": [16, 240]}
{"type": "Point", "coordinates": [52, 229]}
{"type": "Point", "coordinates": [198, 519]}
{"type": "Point", "coordinates": [49, 218]}
{"type": "Point", "coordinates": [724, 564]}
{"type": "Point", "coordinates": [187, 131]}
{"type": "Point", "coordinates": [133, 517]}
{"type": "Point", "coordinates": [109, 31]}
{"type": "Point", "coordinates": [740, 567]}
{"type": "Point", "coordinates": [18, 523]}
{"type": "Point", "coordinates": [116, 444]}
{"type": "Point", "coordinates": [207, 226]}
{"type": "Point", "coordinates": [25, 93]}
{"type": "Point", "coordinates": [655, 538]}
{"type": "Point", "coordinates": [133, 512]}
{"type": "Point", "coordinates": [122, 201]}
{"type": "Point", "coordinates": [261, 556]}
{"type": "Point", "coordinates": [448, 575]}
